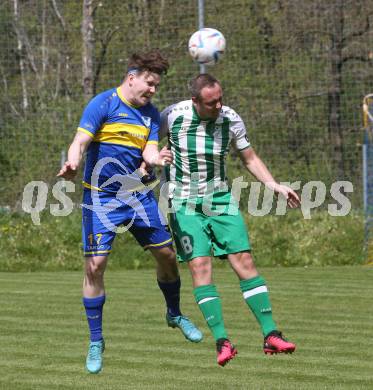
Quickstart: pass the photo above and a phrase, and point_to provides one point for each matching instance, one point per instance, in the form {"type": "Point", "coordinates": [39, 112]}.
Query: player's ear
{"type": "Point", "coordinates": [131, 77]}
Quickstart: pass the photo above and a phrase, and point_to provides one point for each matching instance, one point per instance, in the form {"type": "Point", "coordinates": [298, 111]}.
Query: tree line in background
{"type": "Point", "coordinates": [295, 71]}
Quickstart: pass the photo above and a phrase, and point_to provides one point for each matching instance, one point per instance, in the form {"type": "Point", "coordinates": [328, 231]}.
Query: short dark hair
{"type": "Point", "coordinates": [151, 61]}
{"type": "Point", "coordinates": [201, 81]}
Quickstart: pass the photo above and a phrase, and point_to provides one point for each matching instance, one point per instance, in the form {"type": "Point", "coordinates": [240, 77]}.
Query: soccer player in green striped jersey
{"type": "Point", "coordinates": [206, 219]}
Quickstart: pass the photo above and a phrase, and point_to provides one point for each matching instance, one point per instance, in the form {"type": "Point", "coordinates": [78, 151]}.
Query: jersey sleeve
{"type": "Point", "coordinates": [164, 130]}
{"type": "Point", "coordinates": [240, 138]}
{"type": "Point", "coordinates": [154, 128]}
{"type": "Point", "coordinates": [94, 115]}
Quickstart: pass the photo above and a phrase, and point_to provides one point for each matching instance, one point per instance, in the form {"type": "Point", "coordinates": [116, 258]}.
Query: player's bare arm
{"type": "Point", "coordinates": [256, 167]}
{"type": "Point", "coordinates": [153, 157]}
{"type": "Point", "coordinates": [75, 155]}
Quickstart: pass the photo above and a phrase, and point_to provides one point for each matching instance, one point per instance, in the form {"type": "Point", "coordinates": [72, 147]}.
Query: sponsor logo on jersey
{"type": "Point", "coordinates": [95, 247]}
{"type": "Point", "coordinates": [137, 135]}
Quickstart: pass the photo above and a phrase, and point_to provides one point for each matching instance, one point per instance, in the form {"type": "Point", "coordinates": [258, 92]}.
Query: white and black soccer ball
{"type": "Point", "coordinates": [206, 46]}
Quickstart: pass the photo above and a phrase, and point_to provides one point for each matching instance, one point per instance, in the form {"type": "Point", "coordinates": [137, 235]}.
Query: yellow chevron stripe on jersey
{"type": "Point", "coordinates": [138, 130]}
{"type": "Point", "coordinates": [123, 134]}
{"type": "Point", "coordinates": [85, 131]}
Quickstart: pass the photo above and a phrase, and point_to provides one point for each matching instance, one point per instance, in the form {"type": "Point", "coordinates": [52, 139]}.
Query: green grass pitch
{"type": "Point", "coordinates": [326, 311]}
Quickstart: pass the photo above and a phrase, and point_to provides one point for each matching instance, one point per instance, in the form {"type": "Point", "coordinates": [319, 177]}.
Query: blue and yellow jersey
{"type": "Point", "coordinates": [119, 134]}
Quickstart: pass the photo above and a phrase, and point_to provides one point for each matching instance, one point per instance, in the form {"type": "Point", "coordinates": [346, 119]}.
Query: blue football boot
{"type": "Point", "coordinates": [188, 329]}
{"type": "Point", "coordinates": [94, 357]}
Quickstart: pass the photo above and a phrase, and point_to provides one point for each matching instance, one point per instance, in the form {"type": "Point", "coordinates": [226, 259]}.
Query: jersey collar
{"type": "Point", "coordinates": [123, 99]}
{"type": "Point", "coordinates": [202, 120]}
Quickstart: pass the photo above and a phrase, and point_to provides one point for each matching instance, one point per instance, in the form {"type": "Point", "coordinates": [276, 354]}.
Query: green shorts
{"type": "Point", "coordinates": [198, 233]}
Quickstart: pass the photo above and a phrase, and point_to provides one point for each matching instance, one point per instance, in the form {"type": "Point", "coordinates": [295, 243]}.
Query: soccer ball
{"type": "Point", "coordinates": [206, 46]}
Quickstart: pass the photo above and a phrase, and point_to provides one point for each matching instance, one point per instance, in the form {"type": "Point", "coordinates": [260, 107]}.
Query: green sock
{"type": "Point", "coordinates": [209, 303]}
{"type": "Point", "coordinates": [256, 296]}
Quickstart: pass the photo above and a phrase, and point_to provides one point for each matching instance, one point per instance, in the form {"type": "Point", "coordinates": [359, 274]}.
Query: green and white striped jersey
{"type": "Point", "coordinates": [200, 148]}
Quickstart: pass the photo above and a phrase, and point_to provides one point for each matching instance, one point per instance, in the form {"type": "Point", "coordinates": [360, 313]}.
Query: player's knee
{"type": "Point", "coordinates": [95, 267]}
{"type": "Point", "coordinates": [165, 256]}
{"type": "Point", "coordinates": [170, 257]}
{"type": "Point", "coordinates": [167, 269]}
{"type": "Point", "coordinates": [247, 261]}
{"type": "Point", "coordinates": [200, 268]}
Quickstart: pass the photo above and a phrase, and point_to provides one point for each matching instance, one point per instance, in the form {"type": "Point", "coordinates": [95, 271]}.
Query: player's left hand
{"type": "Point", "coordinates": [290, 195]}
{"type": "Point", "coordinates": [145, 169]}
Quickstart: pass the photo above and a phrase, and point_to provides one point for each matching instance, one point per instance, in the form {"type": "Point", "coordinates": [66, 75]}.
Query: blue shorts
{"type": "Point", "coordinates": [106, 214]}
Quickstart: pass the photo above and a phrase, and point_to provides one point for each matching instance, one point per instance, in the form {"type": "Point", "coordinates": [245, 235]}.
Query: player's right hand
{"type": "Point", "coordinates": [68, 171]}
{"type": "Point", "coordinates": [165, 157]}
{"type": "Point", "coordinates": [290, 195]}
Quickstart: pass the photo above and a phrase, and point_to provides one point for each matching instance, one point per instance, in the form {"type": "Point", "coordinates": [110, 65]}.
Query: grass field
{"type": "Point", "coordinates": [326, 311]}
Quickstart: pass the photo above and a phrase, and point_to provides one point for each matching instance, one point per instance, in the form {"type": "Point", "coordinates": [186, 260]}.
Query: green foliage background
{"type": "Point", "coordinates": [280, 73]}
{"type": "Point", "coordinates": [295, 71]}
{"type": "Point", "coordinates": [277, 241]}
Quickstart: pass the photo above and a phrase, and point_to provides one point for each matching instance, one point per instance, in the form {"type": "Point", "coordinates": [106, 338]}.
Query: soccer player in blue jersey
{"type": "Point", "coordinates": [119, 132]}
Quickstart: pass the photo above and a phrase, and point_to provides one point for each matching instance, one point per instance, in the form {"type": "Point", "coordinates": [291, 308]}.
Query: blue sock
{"type": "Point", "coordinates": [171, 292]}
{"type": "Point", "coordinates": [93, 309]}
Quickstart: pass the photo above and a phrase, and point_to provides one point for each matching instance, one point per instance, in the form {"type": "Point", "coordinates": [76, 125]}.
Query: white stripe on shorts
{"type": "Point", "coordinates": [255, 291]}
{"type": "Point", "coordinates": [206, 300]}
